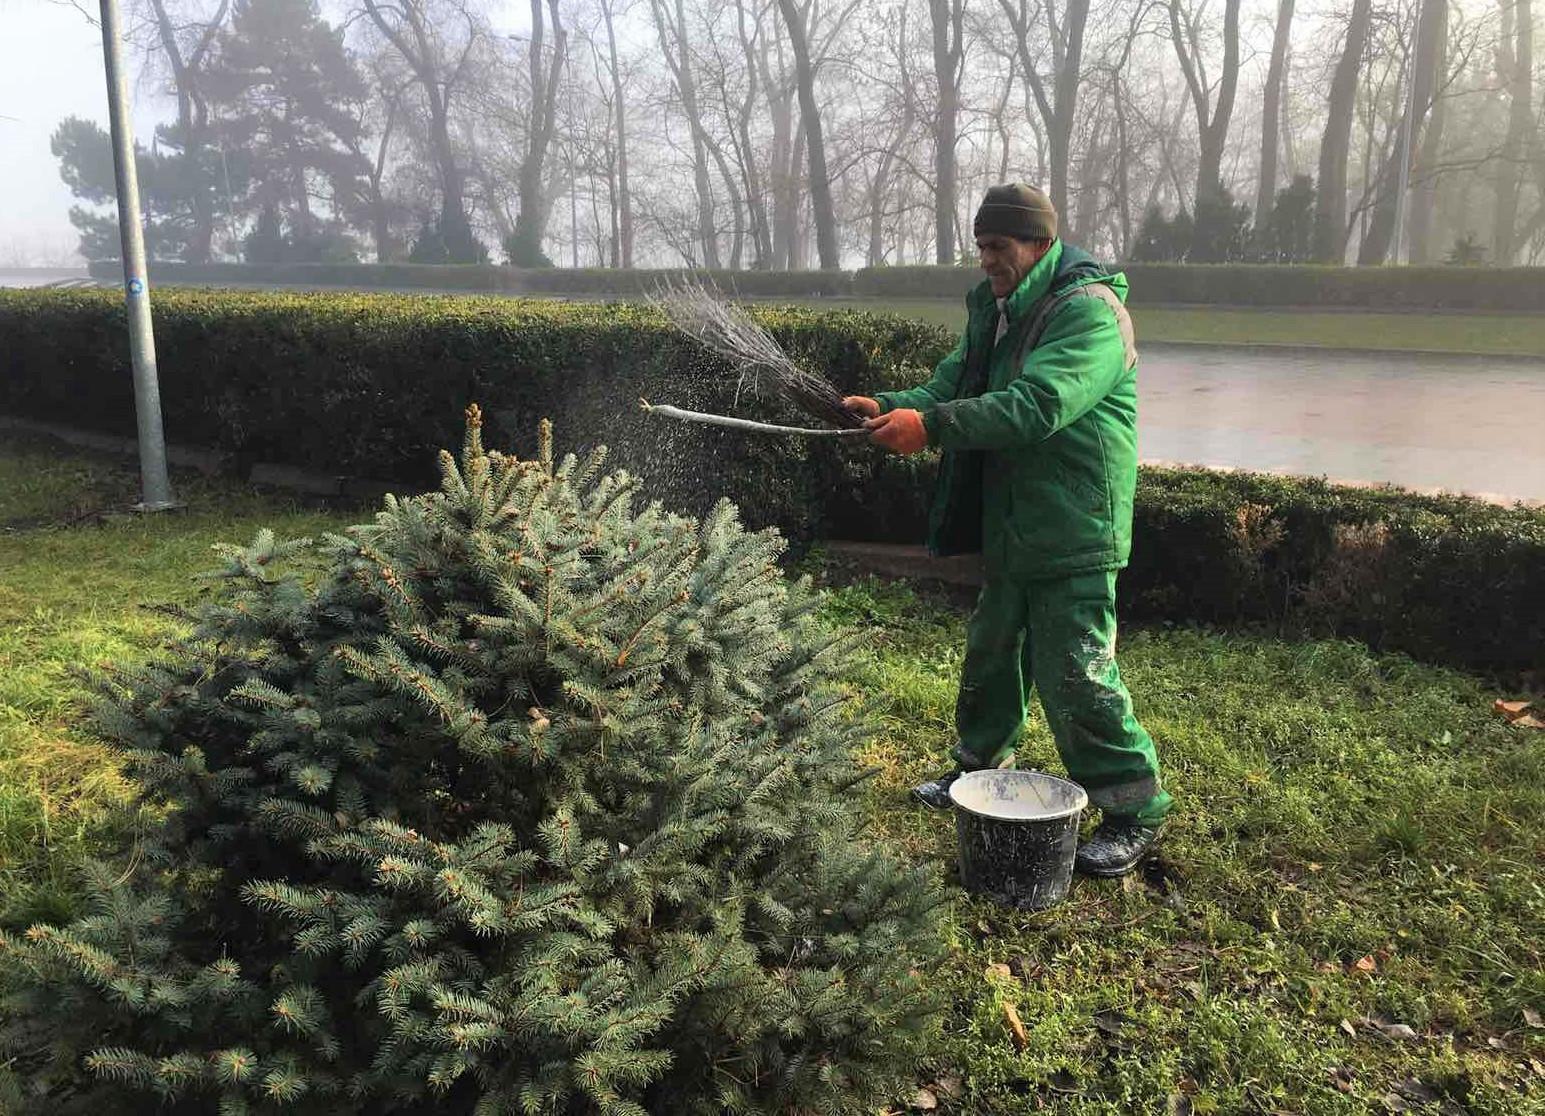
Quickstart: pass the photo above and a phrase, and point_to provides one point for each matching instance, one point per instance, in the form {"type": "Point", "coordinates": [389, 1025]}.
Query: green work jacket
{"type": "Point", "coordinates": [1040, 443]}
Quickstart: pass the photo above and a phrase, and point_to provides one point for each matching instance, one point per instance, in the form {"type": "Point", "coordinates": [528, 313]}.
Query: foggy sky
{"type": "Point", "coordinates": [50, 68]}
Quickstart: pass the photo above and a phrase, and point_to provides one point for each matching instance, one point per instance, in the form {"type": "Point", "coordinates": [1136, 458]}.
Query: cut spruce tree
{"type": "Point", "coordinates": [522, 799]}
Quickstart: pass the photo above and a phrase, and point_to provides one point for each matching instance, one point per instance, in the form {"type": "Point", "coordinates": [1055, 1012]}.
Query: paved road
{"type": "Point", "coordinates": [1463, 424]}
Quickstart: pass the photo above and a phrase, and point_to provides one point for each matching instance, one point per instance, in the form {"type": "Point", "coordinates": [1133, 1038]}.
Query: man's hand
{"type": "Point", "coordinates": [862, 406]}
{"type": "Point", "coordinates": [900, 431]}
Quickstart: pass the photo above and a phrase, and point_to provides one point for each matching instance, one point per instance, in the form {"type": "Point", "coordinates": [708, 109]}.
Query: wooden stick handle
{"type": "Point", "coordinates": [745, 424]}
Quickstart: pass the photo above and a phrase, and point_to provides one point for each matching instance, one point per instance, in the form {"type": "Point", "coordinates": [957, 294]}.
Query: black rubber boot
{"type": "Point", "coordinates": [935, 794]}
{"type": "Point", "coordinates": [1118, 846]}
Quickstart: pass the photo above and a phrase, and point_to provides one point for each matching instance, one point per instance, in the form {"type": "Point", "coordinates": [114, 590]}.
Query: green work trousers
{"type": "Point", "coordinates": [1059, 637]}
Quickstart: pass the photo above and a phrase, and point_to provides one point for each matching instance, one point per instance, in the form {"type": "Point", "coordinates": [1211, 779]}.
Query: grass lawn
{"type": "Point", "coordinates": [1507, 334]}
{"type": "Point", "coordinates": [1357, 851]}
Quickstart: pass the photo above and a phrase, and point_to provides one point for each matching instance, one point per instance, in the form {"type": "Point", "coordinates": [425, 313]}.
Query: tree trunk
{"type": "Point", "coordinates": [1330, 217]}
{"type": "Point", "coordinates": [624, 195]}
{"type": "Point", "coordinates": [1271, 114]}
{"type": "Point", "coordinates": [799, 241]}
{"type": "Point", "coordinates": [531, 221]}
{"type": "Point", "coordinates": [948, 54]}
{"type": "Point", "coordinates": [820, 183]}
{"type": "Point", "coordinates": [679, 62]}
{"type": "Point", "coordinates": [1424, 77]}
{"type": "Point", "coordinates": [1518, 73]}
{"type": "Point", "coordinates": [439, 83]}
{"type": "Point", "coordinates": [756, 198]}
{"type": "Point", "coordinates": [1424, 190]}
{"type": "Point", "coordinates": [193, 120]}
{"type": "Point", "coordinates": [780, 105]}
{"type": "Point", "coordinates": [1212, 120]}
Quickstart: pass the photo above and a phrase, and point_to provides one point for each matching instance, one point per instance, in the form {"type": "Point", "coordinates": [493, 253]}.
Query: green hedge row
{"type": "Point", "coordinates": [487, 277]}
{"type": "Point", "coordinates": [1372, 288]}
{"type": "Point", "coordinates": [373, 385]}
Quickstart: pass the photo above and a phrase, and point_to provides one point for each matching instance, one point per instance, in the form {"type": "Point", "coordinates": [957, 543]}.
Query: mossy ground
{"type": "Point", "coordinates": [1358, 841]}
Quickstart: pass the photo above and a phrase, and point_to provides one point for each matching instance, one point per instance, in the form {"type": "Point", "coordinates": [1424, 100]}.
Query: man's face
{"type": "Point", "coordinates": [1007, 260]}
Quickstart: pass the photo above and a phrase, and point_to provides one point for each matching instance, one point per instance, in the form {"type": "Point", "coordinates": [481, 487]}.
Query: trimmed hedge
{"type": "Point", "coordinates": [1443, 578]}
{"type": "Point", "coordinates": [373, 385]}
{"type": "Point", "coordinates": [1367, 288]}
{"type": "Point", "coordinates": [486, 277]}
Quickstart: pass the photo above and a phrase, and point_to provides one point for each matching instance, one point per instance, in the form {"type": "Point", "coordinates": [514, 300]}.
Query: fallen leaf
{"type": "Point", "coordinates": [1346, 1025]}
{"type": "Point", "coordinates": [1396, 1032]}
{"type": "Point", "coordinates": [1532, 1018]}
{"type": "Point", "coordinates": [1537, 1066]}
{"type": "Point", "coordinates": [1108, 1022]}
{"type": "Point", "coordinates": [925, 1101]}
{"type": "Point", "coordinates": [1496, 1044]}
{"type": "Point", "coordinates": [1025, 968]}
{"type": "Point", "coordinates": [1001, 972]}
{"type": "Point", "coordinates": [1413, 1090]}
{"type": "Point", "coordinates": [949, 1085]}
{"type": "Point", "coordinates": [1366, 964]}
{"type": "Point", "coordinates": [1529, 721]}
{"type": "Point", "coordinates": [1016, 1028]}
{"type": "Point", "coordinates": [1512, 710]}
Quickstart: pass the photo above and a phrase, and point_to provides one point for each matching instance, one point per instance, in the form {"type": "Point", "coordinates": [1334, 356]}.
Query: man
{"type": "Point", "coordinates": [1036, 412]}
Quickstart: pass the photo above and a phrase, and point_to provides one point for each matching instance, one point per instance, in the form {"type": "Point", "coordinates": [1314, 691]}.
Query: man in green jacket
{"type": "Point", "coordinates": [1036, 412]}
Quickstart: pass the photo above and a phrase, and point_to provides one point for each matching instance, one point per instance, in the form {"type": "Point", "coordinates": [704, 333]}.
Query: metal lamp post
{"type": "Point", "coordinates": [155, 485]}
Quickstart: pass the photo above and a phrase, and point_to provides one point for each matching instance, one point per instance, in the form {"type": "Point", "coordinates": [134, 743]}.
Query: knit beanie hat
{"type": "Point", "coordinates": [1016, 210]}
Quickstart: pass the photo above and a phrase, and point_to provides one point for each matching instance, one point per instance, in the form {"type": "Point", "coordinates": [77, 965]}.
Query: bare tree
{"type": "Point", "coordinates": [1330, 219]}
{"type": "Point", "coordinates": [187, 48]}
{"type": "Point", "coordinates": [749, 31]}
{"type": "Point", "coordinates": [947, 18]}
{"type": "Point", "coordinates": [1058, 110]}
{"type": "Point", "coordinates": [810, 114]}
{"type": "Point", "coordinates": [1424, 67]}
{"type": "Point", "coordinates": [1515, 65]}
{"type": "Point", "coordinates": [439, 66]}
{"type": "Point", "coordinates": [546, 73]}
{"type": "Point", "coordinates": [1271, 112]}
{"type": "Point", "coordinates": [1212, 118]}
{"type": "Point", "coordinates": [1427, 173]}
{"type": "Point", "coordinates": [670, 19]}
{"type": "Point", "coordinates": [371, 201]}
{"type": "Point", "coordinates": [622, 251]}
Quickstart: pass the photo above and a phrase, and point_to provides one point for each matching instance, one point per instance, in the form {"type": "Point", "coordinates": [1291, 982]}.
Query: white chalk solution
{"type": "Point", "coordinates": [1017, 795]}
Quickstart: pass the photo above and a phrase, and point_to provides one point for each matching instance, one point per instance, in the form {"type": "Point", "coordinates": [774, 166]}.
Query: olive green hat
{"type": "Point", "coordinates": [1016, 210]}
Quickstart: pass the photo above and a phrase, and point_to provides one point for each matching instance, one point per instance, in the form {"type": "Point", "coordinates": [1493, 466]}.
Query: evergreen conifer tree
{"type": "Point", "coordinates": [520, 799]}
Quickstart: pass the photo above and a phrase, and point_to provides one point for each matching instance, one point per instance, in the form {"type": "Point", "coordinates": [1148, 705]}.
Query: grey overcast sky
{"type": "Point", "coordinates": [50, 68]}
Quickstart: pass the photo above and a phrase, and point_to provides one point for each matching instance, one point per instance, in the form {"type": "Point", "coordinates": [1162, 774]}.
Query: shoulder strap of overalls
{"type": "Point", "coordinates": [1101, 291]}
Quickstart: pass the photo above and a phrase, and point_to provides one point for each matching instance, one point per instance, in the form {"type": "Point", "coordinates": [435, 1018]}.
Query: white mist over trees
{"type": "Point", "coordinates": [788, 134]}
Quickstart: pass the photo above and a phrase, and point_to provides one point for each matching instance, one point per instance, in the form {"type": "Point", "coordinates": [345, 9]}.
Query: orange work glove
{"type": "Point", "coordinates": [900, 431]}
{"type": "Point", "coordinates": [862, 406]}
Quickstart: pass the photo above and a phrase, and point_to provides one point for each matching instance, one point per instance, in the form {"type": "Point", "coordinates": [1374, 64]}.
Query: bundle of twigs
{"type": "Point", "coordinates": [721, 328]}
